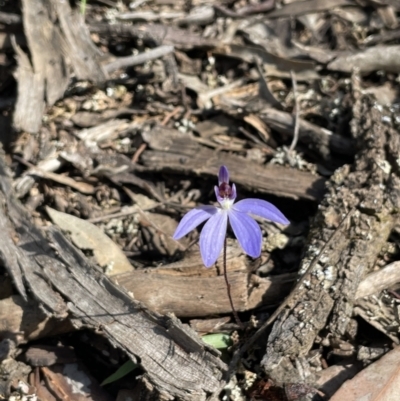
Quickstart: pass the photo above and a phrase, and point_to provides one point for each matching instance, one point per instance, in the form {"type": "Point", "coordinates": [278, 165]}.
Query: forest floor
{"type": "Point", "coordinates": [116, 117]}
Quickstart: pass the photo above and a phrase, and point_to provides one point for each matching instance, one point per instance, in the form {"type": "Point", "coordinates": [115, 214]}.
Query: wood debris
{"type": "Point", "coordinates": [115, 118]}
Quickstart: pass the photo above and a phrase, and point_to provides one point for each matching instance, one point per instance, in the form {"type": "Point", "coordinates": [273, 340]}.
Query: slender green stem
{"type": "Point", "coordinates": [83, 7]}
{"type": "Point", "coordinates": [228, 289]}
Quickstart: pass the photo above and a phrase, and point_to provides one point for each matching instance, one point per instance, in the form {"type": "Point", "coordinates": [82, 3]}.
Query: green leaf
{"type": "Point", "coordinates": [218, 340]}
{"type": "Point", "coordinates": [122, 371]}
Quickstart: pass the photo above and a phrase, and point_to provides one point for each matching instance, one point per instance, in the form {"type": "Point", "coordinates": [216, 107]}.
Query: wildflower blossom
{"type": "Point", "coordinates": [245, 228]}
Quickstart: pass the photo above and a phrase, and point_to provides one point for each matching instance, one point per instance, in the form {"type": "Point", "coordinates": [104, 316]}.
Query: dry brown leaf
{"type": "Point", "coordinates": [87, 236]}
{"type": "Point", "coordinates": [380, 381]}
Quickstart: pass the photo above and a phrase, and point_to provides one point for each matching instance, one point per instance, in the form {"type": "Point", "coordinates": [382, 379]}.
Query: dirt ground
{"type": "Point", "coordinates": [116, 117]}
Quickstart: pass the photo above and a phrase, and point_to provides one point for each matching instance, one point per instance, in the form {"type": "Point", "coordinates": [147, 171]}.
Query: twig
{"type": "Point", "coordinates": [80, 186]}
{"type": "Point", "coordinates": [139, 151]}
{"type": "Point", "coordinates": [131, 210]}
{"type": "Point", "coordinates": [153, 54]}
{"type": "Point", "coordinates": [297, 111]}
{"type": "Point", "coordinates": [171, 114]}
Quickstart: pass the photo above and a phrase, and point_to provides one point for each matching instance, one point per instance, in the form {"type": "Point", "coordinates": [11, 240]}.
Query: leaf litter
{"type": "Point", "coordinates": [123, 133]}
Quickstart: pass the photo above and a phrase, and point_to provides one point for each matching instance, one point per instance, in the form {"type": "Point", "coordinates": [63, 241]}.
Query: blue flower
{"type": "Point", "coordinates": [245, 228]}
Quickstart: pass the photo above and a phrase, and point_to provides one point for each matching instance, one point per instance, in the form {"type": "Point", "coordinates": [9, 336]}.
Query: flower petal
{"type": "Point", "coordinates": [234, 194]}
{"type": "Point", "coordinates": [261, 208]}
{"type": "Point", "coordinates": [219, 198]}
{"type": "Point", "coordinates": [247, 232]}
{"type": "Point", "coordinates": [212, 237]}
{"type": "Point", "coordinates": [193, 218]}
{"type": "Point", "coordinates": [223, 175]}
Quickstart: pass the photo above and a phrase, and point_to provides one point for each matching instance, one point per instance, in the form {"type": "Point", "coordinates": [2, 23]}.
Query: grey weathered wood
{"type": "Point", "coordinates": [156, 33]}
{"type": "Point", "coordinates": [83, 55]}
{"type": "Point", "coordinates": [45, 44]}
{"type": "Point", "coordinates": [370, 188]}
{"type": "Point", "coordinates": [66, 284]}
{"type": "Point", "coordinates": [178, 152]}
{"type": "Point", "coordinates": [9, 18]}
{"type": "Point", "coordinates": [137, 59]}
{"type": "Point", "coordinates": [58, 40]}
{"type": "Point", "coordinates": [30, 102]}
{"type": "Point", "coordinates": [9, 258]}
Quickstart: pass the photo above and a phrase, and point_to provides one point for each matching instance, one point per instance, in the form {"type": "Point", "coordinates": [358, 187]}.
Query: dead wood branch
{"type": "Point", "coordinates": [175, 151]}
{"type": "Point", "coordinates": [204, 296]}
{"type": "Point", "coordinates": [53, 50]}
{"type": "Point", "coordinates": [157, 34]}
{"type": "Point", "coordinates": [136, 59]}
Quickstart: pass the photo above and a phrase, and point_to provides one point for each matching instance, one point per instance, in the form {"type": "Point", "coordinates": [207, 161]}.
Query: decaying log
{"type": "Point", "coordinates": [178, 152]}
{"type": "Point", "coordinates": [370, 191]}
{"type": "Point", "coordinates": [199, 297]}
{"type": "Point", "coordinates": [67, 285]}
{"type": "Point", "coordinates": [203, 292]}
{"type": "Point", "coordinates": [166, 291]}
{"type": "Point", "coordinates": [54, 49]}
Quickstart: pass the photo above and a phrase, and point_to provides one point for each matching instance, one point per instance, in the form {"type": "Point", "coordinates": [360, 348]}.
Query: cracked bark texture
{"type": "Point", "coordinates": [369, 190]}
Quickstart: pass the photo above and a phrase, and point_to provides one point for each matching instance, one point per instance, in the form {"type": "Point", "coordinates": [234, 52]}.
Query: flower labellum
{"type": "Point", "coordinates": [245, 228]}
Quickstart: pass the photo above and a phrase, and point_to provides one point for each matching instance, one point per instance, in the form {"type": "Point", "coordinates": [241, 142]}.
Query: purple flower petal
{"type": "Point", "coordinates": [223, 175]}
{"type": "Point", "coordinates": [261, 208]}
{"type": "Point", "coordinates": [193, 218]}
{"type": "Point", "coordinates": [247, 232]}
{"type": "Point", "coordinates": [219, 198]}
{"type": "Point", "coordinates": [212, 237]}
{"type": "Point", "coordinates": [234, 194]}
